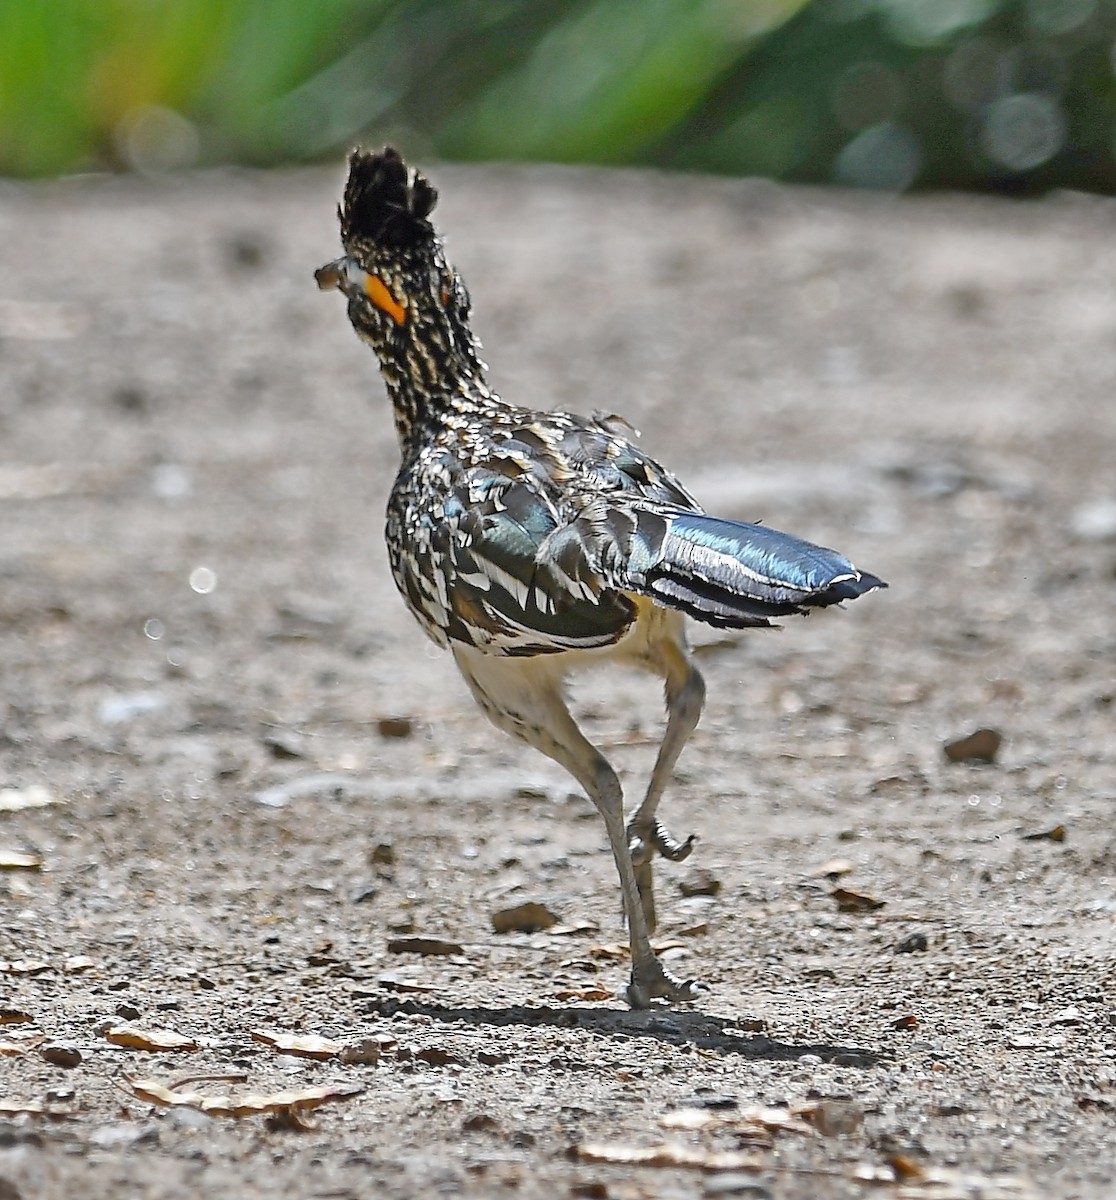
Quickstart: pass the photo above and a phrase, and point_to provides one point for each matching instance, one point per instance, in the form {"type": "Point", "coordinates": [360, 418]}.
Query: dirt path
{"type": "Point", "coordinates": [206, 670]}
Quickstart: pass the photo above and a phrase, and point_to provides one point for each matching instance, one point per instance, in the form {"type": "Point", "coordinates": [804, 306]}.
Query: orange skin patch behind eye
{"type": "Point", "coordinates": [375, 290]}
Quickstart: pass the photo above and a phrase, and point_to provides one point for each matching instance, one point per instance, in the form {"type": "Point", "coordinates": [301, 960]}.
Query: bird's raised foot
{"type": "Point", "coordinates": [652, 981]}
{"type": "Point", "coordinates": [655, 838]}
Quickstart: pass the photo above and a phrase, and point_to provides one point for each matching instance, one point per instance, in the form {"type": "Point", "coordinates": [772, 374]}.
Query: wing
{"type": "Point", "coordinates": [482, 583]}
{"type": "Point", "coordinates": [725, 573]}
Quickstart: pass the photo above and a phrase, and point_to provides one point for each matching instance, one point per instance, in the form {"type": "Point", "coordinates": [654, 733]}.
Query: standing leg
{"type": "Point", "coordinates": [685, 697]}
{"type": "Point", "coordinates": [523, 696]}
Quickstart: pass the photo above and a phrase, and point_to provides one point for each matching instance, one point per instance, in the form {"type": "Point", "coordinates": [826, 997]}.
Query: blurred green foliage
{"type": "Point", "coordinates": [1015, 95]}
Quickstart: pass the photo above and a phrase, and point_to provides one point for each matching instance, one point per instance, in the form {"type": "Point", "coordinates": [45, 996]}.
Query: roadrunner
{"type": "Point", "coordinates": [531, 543]}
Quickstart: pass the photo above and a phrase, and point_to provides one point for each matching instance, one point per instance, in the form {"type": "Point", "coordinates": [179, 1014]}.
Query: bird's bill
{"type": "Point", "coordinates": [347, 276]}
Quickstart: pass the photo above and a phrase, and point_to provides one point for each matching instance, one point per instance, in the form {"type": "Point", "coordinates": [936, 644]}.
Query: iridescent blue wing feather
{"type": "Point", "coordinates": [730, 573]}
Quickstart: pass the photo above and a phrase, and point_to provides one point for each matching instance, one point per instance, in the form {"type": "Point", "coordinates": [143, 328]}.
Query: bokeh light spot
{"type": "Point", "coordinates": [1023, 131]}
{"type": "Point", "coordinates": [154, 139]}
{"type": "Point", "coordinates": [886, 157]}
{"type": "Point", "coordinates": [928, 22]}
{"type": "Point", "coordinates": [154, 629]}
{"type": "Point", "coordinates": [203, 580]}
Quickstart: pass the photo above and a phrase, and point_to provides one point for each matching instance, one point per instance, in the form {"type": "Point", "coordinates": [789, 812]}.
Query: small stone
{"type": "Point", "coordinates": [849, 901]}
{"type": "Point", "coordinates": [437, 1056]}
{"type": "Point", "coordinates": [121, 1135]}
{"type": "Point", "coordinates": [383, 854]}
{"type": "Point", "coordinates": [424, 945]}
{"type": "Point", "coordinates": [480, 1123]}
{"type": "Point", "coordinates": [736, 1183]}
{"type": "Point", "coordinates": [184, 1117]}
{"type": "Point", "coordinates": [59, 1054]}
{"type": "Point", "coordinates": [1067, 1016]}
{"type": "Point", "coordinates": [837, 1118]}
{"type": "Point", "coordinates": [489, 1058]}
{"type": "Point", "coordinates": [128, 1011]}
{"type": "Point", "coordinates": [713, 1101]}
{"type": "Point", "coordinates": [523, 918]}
{"type": "Point", "coordinates": [911, 943]}
{"type": "Point", "coordinates": [285, 744]}
{"type": "Point", "coordinates": [395, 727]}
{"type": "Point", "coordinates": [980, 746]}
{"type": "Point", "coordinates": [701, 882]}
{"type": "Point", "coordinates": [365, 1053]}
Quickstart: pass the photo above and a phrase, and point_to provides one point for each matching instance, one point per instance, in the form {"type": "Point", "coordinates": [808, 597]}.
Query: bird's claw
{"type": "Point", "coordinates": [655, 838]}
{"type": "Point", "coordinates": [651, 981]}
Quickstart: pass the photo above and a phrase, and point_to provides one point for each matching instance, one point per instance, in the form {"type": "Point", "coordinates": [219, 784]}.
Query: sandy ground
{"type": "Point", "coordinates": [236, 773]}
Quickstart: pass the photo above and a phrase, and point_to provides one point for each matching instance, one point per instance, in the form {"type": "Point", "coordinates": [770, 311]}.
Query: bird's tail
{"type": "Point", "coordinates": [732, 574]}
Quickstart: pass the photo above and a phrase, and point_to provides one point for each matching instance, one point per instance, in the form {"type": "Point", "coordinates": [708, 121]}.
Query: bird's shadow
{"type": "Point", "coordinates": [703, 1031]}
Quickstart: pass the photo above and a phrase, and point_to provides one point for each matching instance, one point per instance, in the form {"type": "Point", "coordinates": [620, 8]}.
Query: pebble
{"type": "Point", "coordinates": [122, 1135]}
{"type": "Point", "coordinates": [736, 1183]}
{"type": "Point", "coordinates": [980, 746]}
{"type": "Point", "coordinates": [60, 1054]}
{"type": "Point", "coordinates": [523, 918]}
{"type": "Point", "coordinates": [837, 1118]}
{"type": "Point", "coordinates": [1067, 1016]}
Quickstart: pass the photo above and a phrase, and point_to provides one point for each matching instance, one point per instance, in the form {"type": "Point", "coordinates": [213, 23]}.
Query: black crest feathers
{"type": "Point", "coordinates": [386, 202]}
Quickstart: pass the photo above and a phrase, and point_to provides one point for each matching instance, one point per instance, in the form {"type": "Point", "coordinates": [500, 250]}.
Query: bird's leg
{"type": "Point", "coordinates": [647, 835]}
{"type": "Point", "coordinates": [524, 697]}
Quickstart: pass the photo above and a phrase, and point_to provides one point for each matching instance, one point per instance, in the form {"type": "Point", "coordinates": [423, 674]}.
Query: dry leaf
{"type": "Point", "coordinates": [669, 1154]}
{"type": "Point", "coordinates": [13, 1016]}
{"type": "Point", "coordinates": [774, 1120]}
{"type": "Point", "coordinates": [523, 918]}
{"type": "Point", "coordinates": [424, 945]}
{"type": "Point", "coordinates": [905, 1167]}
{"type": "Point", "coordinates": [13, 1046]}
{"type": "Point", "coordinates": [13, 860]}
{"type": "Point", "coordinates": [25, 966]}
{"type": "Point", "coordinates": [275, 1104]}
{"type": "Point", "coordinates": [609, 950]}
{"type": "Point", "coordinates": [855, 902]}
{"type": "Point", "coordinates": [573, 927]}
{"type": "Point", "coordinates": [78, 962]}
{"type": "Point", "coordinates": [1057, 834]}
{"type": "Point", "coordinates": [21, 1108]}
{"type": "Point", "coordinates": [391, 982]}
{"type": "Point", "coordinates": [589, 991]}
{"type": "Point", "coordinates": [832, 868]}
{"type": "Point", "coordinates": [303, 1045]}
{"type": "Point", "coordinates": [17, 799]}
{"type": "Point", "coordinates": [135, 1038]}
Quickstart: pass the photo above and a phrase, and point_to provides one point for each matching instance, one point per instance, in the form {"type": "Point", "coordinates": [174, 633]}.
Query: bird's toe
{"type": "Point", "coordinates": [652, 981]}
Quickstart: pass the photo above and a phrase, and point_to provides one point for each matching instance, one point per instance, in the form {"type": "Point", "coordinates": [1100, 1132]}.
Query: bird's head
{"type": "Point", "coordinates": [393, 273]}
